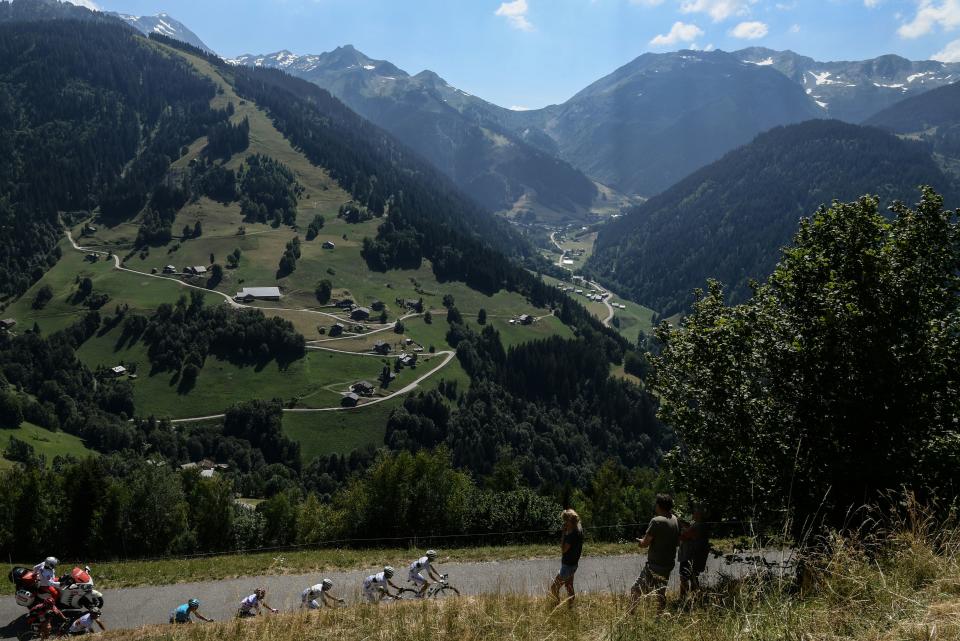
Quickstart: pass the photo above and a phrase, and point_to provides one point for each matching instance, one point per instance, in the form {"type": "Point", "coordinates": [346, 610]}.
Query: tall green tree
{"type": "Point", "coordinates": [835, 380]}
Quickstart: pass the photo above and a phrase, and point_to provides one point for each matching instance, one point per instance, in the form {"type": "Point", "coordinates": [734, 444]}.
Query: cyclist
{"type": "Point", "coordinates": [250, 606]}
{"type": "Point", "coordinates": [416, 572]}
{"type": "Point", "coordinates": [184, 612]}
{"type": "Point", "coordinates": [84, 625]}
{"type": "Point", "coordinates": [46, 572]}
{"type": "Point", "coordinates": [309, 597]}
{"type": "Point", "coordinates": [375, 585]}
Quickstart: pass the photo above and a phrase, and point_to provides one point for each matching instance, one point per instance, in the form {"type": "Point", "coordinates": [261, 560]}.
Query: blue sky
{"type": "Point", "coordinates": [531, 53]}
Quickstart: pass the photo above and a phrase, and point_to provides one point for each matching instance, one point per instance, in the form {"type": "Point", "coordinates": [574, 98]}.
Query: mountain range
{"type": "Point", "coordinates": [487, 161]}
{"type": "Point", "coordinates": [728, 220]}
{"type": "Point", "coordinates": [854, 91]}
{"type": "Point", "coordinates": [638, 130]}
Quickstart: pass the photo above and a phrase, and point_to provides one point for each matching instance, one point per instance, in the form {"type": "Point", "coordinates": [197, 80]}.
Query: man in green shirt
{"type": "Point", "coordinates": [661, 541]}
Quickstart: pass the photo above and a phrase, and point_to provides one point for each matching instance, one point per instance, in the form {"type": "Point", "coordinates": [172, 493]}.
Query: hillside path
{"type": "Point", "coordinates": [447, 354]}
{"type": "Point", "coordinates": [134, 607]}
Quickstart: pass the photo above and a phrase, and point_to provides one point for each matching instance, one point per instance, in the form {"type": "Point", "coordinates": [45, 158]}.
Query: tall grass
{"type": "Point", "coordinates": [898, 585]}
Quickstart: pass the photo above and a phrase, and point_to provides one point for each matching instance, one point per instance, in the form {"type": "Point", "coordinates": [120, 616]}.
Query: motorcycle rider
{"type": "Point", "coordinates": [308, 598]}
{"type": "Point", "coordinates": [84, 625]}
{"type": "Point", "coordinates": [250, 606]}
{"type": "Point", "coordinates": [46, 572]}
{"type": "Point", "coordinates": [183, 612]}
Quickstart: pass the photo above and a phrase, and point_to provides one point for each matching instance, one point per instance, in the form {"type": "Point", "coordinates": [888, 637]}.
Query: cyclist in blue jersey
{"type": "Point", "coordinates": [183, 612]}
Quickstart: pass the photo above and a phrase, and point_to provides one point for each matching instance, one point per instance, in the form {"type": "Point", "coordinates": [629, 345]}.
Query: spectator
{"type": "Point", "coordinates": [661, 540]}
{"type": "Point", "coordinates": [694, 550]}
{"type": "Point", "coordinates": [571, 548]}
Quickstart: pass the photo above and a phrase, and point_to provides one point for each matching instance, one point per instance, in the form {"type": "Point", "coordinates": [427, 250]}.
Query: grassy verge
{"type": "Point", "coordinates": [910, 591]}
{"type": "Point", "coordinates": [170, 571]}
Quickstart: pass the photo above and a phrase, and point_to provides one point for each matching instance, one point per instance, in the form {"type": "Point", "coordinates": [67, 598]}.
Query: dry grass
{"type": "Point", "coordinates": [898, 587]}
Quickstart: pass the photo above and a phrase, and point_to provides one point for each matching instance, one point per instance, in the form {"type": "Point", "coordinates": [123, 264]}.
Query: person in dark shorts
{"type": "Point", "coordinates": [694, 551]}
{"type": "Point", "coordinates": [661, 540]}
{"type": "Point", "coordinates": [571, 548]}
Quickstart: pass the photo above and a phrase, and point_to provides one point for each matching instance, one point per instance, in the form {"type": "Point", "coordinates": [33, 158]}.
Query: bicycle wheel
{"type": "Point", "coordinates": [446, 592]}
{"type": "Point", "coordinates": [404, 594]}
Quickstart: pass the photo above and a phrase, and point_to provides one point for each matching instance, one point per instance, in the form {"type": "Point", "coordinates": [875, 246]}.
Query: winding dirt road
{"type": "Point", "coordinates": [447, 354]}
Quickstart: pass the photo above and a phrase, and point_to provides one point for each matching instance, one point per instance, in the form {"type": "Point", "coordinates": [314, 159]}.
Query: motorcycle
{"type": "Point", "coordinates": [75, 592]}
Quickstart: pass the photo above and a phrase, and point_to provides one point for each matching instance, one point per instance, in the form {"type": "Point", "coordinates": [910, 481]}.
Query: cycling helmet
{"type": "Point", "coordinates": [432, 555]}
{"type": "Point", "coordinates": [388, 571]}
{"type": "Point", "coordinates": [193, 603]}
{"type": "Point", "coordinates": [51, 562]}
{"type": "Point", "coordinates": [260, 592]}
{"type": "Point", "coordinates": [327, 584]}
{"type": "Point", "coordinates": [94, 612]}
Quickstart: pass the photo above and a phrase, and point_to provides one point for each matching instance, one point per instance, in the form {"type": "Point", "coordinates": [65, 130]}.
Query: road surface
{"type": "Point", "coordinates": [134, 607]}
{"type": "Point", "coordinates": [606, 301]}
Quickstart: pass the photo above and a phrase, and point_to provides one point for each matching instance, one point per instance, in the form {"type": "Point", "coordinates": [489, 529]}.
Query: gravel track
{"type": "Point", "coordinates": [134, 607]}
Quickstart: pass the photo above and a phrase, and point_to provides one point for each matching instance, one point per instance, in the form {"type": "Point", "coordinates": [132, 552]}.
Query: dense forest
{"type": "Point", "coordinates": [729, 220]}
{"type": "Point", "coordinates": [550, 408]}
{"type": "Point", "coordinates": [81, 102]}
{"type": "Point", "coordinates": [269, 191]}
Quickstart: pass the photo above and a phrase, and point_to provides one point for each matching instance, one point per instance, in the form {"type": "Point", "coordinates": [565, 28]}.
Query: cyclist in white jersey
{"type": "Point", "coordinates": [423, 565]}
{"type": "Point", "coordinates": [84, 625]}
{"type": "Point", "coordinates": [317, 596]}
{"type": "Point", "coordinates": [375, 585]}
{"type": "Point", "coordinates": [250, 606]}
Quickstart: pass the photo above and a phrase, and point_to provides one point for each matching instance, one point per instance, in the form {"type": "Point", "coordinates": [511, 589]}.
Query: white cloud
{"type": "Point", "coordinates": [950, 53]}
{"type": "Point", "coordinates": [719, 10]}
{"type": "Point", "coordinates": [750, 30]}
{"type": "Point", "coordinates": [519, 108]}
{"type": "Point", "coordinates": [516, 14]}
{"type": "Point", "coordinates": [871, 4]}
{"type": "Point", "coordinates": [647, 3]}
{"type": "Point", "coordinates": [794, 28]}
{"type": "Point", "coordinates": [679, 32]}
{"type": "Point", "coordinates": [930, 14]}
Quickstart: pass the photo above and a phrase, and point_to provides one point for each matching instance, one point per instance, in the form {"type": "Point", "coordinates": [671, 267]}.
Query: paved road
{"type": "Point", "coordinates": [606, 301]}
{"type": "Point", "coordinates": [134, 607]}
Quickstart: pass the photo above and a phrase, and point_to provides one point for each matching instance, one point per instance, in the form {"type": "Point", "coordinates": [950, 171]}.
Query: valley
{"type": "Point", "coordinates": [274, 318]}
{"type": "Point", "coordinates": [314, 386]}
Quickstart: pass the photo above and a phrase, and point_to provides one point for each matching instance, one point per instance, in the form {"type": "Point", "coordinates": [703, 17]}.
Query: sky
{"type": "Point", "coordinates": [531, 53]}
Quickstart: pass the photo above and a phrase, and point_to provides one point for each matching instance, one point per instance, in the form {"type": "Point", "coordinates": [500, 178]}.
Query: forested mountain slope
{"type": "Point", "coordinates": [729, 220]}
{"type": "Point", "coordinates": [658, 118]}
{"type": "Point", "coordinates": [90, 115]}
{"type": "Point", "coordinates": [487, 161]}
{"type": "Point", "coordinates": [933, 116]}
